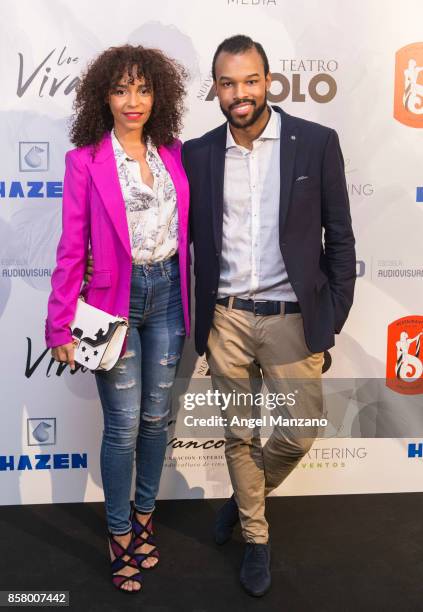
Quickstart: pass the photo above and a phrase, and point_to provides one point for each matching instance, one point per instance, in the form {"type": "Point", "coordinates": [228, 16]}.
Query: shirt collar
{"type": "Point", "coordinates": [117, 147]}
{"type": "Point", "coordinates": [272, 131]}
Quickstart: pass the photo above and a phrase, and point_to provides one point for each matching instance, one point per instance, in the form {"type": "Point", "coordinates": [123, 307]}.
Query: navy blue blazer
{"type": "Point", "coordinates": [315, 232]}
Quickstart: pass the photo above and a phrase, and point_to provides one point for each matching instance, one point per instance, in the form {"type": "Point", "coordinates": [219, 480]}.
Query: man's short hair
{"type": "Point", "coordinates": [239, 44]}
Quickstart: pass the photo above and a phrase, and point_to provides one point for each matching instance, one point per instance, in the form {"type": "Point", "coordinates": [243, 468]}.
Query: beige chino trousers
{"type": "Point", "coordinates": [244, 350]}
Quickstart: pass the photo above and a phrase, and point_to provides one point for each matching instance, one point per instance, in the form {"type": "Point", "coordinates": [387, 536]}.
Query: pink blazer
{"type": "Point", "coordinates": [94, 213]}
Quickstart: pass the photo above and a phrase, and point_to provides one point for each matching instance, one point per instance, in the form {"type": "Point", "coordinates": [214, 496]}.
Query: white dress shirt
{"type": "Point", "coordinates": [151, 213]}
{"type": "Point", "coordinates": [252, 266]}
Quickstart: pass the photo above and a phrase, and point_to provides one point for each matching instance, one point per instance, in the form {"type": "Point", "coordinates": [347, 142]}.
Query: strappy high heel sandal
{"type": "Point", "coordinates": [143, 534]}
{"type": "Point", "coordinates": [119, 563]}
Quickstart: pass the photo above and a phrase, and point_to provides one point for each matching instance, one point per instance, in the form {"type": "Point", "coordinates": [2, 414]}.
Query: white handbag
{"type": "Point", "coordinates": [97, 336]}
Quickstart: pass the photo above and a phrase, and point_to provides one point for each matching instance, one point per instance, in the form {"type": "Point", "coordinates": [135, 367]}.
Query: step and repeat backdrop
{"type": "Point", "coordinates": [357, 67]}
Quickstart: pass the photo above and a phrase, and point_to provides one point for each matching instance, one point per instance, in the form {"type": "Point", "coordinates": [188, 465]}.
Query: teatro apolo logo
{"type": "Point", "coordinates": [404, 366]}
{"type": "Point", "coordinates": [408, 100]}
{"type": "Point", "coordinates": [298, 80]}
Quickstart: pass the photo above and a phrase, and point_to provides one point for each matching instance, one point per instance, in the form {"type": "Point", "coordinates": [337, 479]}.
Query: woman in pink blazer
{"type": "Point", "coordinates": [126, 197]}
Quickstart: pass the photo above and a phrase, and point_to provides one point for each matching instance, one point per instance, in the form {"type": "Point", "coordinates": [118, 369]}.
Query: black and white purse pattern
{"type": "Point", "coordinates": [98, 337]}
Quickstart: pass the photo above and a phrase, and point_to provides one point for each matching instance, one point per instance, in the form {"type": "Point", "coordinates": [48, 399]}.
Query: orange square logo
{"type": "Point", "coordinates": [408, 101]}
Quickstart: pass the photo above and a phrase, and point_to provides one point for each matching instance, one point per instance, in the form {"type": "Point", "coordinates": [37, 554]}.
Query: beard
{"type": "Point", "coordinates": [240, 123]}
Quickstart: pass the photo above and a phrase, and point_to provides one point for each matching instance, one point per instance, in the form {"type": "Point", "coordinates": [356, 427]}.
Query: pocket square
{"type": "Point", "coordinates": [301, 178]}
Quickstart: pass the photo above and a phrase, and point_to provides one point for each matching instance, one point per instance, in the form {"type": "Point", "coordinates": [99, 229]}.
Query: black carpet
{"type": "Point", "coordinates": [345, 553]}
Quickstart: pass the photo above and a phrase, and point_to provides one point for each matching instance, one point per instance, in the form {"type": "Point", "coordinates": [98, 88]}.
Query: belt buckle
{"type": "Point", "coordinates": [254, 306]}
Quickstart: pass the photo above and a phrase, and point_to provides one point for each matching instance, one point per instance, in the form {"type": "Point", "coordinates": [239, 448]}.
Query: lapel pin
{"type": "Point", "coordinates": [293, 137]}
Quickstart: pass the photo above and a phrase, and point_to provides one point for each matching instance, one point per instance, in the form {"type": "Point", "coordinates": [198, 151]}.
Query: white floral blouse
{"type": "Point", "coordinates": [152, 213]}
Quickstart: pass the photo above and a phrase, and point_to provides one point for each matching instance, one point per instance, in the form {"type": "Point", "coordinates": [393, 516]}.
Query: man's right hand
{"type": "Point", "coordinates": [64, 354]}
{"type": "Point", "coordinates": [89, 268]}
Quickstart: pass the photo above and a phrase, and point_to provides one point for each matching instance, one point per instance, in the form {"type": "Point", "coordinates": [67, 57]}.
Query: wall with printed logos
{"type": "Point", "coordinates": [337, 64]}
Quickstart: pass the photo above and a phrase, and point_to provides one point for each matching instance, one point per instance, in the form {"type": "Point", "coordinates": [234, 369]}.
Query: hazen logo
{"type": "Point", "coordinates": [31, 189]}
{"type": "Point", "coordinates": [43, 77]}
{"type": "Point", "coordinates": [415, 450]}
{"type": "Point", "coordinates": [408, 101]}
{"type": "Point", "coordinates": [404, 367]}
{"type": "Point", "coordinates": [58, 461]}
{"type": "Point", "coordinates": [31, 367]}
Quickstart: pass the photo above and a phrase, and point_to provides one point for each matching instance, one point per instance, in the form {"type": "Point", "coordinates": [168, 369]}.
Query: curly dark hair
{"type": "Point", "coordinates": [92, 117]}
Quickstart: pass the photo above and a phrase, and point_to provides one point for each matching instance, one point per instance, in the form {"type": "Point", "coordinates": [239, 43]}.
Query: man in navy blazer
{"type": "Point", "coordinates": [275, 270]}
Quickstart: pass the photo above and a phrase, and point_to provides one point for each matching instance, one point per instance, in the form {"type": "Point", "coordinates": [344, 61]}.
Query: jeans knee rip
{"type": "Point", "coordinates": [156, 420]}
{"type": "Point", "coordinates": [125, 385]}
{"type": "Point", "coordinates": [157, 398]}
{"type": "Point", "coordinates": [169, 359]}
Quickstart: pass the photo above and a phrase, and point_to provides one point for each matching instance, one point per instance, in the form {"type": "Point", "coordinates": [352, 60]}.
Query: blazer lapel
{"type": "Point", "coordinates": [106, 179]}
{"type": "Point", "coordinates": [217, 172]}
{"type": "Point", "coordinates": [288, 151]}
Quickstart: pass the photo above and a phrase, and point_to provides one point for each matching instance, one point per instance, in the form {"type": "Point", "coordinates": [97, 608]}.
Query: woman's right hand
{"type": "Point", "coordinates": [65, 354]}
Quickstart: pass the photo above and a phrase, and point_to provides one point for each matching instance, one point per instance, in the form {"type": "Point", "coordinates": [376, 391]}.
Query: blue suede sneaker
{"type": "Point", "coordinates": [255, 569]}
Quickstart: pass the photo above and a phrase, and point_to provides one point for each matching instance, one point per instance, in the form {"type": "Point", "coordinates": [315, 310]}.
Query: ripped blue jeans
{"type": "Point", "coordinates": [136, 394]}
